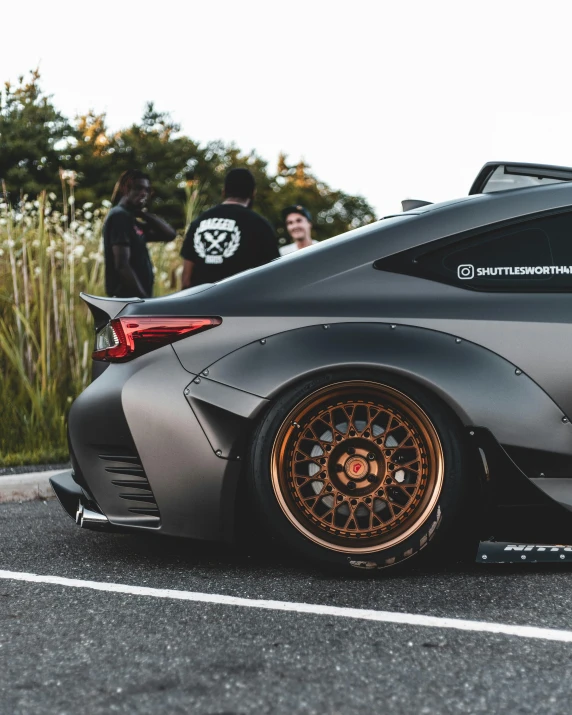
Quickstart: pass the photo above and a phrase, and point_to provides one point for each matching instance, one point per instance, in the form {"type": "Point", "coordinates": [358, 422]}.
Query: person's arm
{"type": "Point", "coordinates": [156, 229]}
{"type": "Point", "coordinates": [129, 280]}
{"type": "Point", "coordinates": [186, 280]}
{"type": "Point", "coordinates": [189, 256]}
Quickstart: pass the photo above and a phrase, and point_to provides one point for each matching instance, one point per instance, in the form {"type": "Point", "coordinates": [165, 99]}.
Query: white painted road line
{"type": "Point", "coordinates": [409, 619]}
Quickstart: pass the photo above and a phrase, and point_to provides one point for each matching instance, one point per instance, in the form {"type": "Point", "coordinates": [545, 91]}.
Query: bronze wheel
{"type": "Point", "coordinates": [357, 466]}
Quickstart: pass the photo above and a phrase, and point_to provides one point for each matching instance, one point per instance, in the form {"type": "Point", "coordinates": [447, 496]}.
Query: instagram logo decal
{"type": "Point", "coordinates": [465, 272]}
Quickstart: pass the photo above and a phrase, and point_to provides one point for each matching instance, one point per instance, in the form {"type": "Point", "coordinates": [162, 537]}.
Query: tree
{"type": "Point", "coordinates": [333, 212]}
{"type": "Point", "coordinates": [37, 141]}
{"type": "Point", "coordinates": [34, 137]}
{"type": "Point", "coordinates": [154, 146]}
{"type": "Point", "coordinates": [92, 158]}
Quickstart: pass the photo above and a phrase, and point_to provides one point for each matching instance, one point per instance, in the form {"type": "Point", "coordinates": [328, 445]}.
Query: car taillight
{"type": "Point", "coordinates": [123, 339]}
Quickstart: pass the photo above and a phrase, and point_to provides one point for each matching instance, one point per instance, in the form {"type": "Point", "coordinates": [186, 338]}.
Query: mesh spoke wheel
{"type": "Point", "coordinates": [357, 467]}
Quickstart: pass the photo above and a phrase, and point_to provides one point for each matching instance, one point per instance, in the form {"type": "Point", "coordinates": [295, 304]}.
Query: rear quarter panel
{"type": "Point", "coordinates": [481, 387]}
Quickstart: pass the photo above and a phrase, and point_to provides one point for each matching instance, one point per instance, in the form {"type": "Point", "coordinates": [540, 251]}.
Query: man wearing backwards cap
{"type": "Point", "coordinates": [298, 222]}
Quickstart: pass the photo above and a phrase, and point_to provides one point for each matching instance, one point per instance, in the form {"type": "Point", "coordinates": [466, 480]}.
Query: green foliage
{"type": "Point", "coordinates": [152, 146]}
{"type": "Point", "coordinates": [37, 141]}
{"type": "Point", "coordinates": [32, 136]}
{"type": "Point", "coordinates": [55, 455]}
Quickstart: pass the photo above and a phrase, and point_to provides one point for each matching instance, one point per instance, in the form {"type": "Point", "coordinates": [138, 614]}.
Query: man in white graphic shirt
{"type": "Point", "coordinates": [228, 238]}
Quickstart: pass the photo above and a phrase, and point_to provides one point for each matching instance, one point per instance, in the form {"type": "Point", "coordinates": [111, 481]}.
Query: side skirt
{"type": "Point", "coordinates": [502, 552]}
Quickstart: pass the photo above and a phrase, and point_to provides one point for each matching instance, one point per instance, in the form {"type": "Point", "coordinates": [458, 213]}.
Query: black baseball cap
{"type": "Point", "coordinates": [296, 209]}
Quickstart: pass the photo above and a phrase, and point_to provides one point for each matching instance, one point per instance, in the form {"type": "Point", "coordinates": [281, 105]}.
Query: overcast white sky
{"type": "Point", "coordinates": [385, 99]}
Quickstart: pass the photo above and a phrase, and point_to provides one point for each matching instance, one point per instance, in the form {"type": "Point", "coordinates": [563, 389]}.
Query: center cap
{"type": "Point", "coordinates": [356, 468]}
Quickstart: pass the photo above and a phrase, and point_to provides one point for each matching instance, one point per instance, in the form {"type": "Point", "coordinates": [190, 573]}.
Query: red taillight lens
{"type": "Point", "coordinates": [123, 339]}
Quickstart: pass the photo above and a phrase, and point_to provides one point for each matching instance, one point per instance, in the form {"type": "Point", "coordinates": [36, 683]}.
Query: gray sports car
{"type": "Point", "coordinates": [363, 399]}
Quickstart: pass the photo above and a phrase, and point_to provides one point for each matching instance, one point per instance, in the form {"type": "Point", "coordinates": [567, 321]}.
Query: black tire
{"type": "Point", "coordinates": [435, 501]}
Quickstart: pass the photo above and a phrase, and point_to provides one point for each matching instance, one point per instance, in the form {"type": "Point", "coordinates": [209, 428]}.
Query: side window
{"type": "Point", "coordinates": [532, 256]}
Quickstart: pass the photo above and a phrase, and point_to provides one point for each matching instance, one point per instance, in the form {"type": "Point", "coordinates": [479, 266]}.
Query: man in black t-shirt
{"type": "Point", "coordinates": [126, 232]}
{"type": "Point", "coordinates": [230, 237]}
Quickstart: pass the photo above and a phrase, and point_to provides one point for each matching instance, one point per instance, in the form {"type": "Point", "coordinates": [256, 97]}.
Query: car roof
{"type": "Point", "coordinates": [417, 228]}
{"type": "Point", "coordinates": [456, 216]}
{"type": "Point", "coordinates": [429, 223]}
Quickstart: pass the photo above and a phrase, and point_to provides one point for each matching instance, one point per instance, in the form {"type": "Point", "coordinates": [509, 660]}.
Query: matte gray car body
{"type": "Point", "coordinates": [185, 412]}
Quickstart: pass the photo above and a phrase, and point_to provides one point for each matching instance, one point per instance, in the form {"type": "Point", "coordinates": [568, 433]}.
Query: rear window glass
{"type": "Point", "coordinates": [533, 256]}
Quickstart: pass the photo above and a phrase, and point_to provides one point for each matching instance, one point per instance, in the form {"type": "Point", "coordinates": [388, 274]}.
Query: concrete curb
{"type": "Point", "coordinates": [27, 487]}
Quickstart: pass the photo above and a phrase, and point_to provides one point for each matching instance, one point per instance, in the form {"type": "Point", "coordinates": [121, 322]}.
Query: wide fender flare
{"type": "Point", "coordinates": [480, 386]}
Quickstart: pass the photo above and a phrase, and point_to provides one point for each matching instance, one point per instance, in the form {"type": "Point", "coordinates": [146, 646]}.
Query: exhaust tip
{"type": "Point", "coordinates": [92, 518]}
{"type": "Point", "coordinates": [87, 518]}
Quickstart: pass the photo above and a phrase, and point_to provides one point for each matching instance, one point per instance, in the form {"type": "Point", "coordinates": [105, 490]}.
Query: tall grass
{"type": "Point", "coordinates": [46, 336]}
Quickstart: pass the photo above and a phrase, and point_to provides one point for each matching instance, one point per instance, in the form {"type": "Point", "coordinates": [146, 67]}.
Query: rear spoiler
{"type": "Point", "coordinates": [104, 309]}
{"type": "Point", "coordinates": [539, 171]}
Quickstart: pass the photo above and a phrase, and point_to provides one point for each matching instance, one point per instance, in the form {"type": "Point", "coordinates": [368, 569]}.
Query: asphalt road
{"type": "Point", "coordinates": [67, 650]}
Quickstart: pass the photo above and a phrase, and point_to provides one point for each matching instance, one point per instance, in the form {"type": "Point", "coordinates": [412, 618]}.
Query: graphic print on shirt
{"type": "Point", "coordinates": [216, 239]}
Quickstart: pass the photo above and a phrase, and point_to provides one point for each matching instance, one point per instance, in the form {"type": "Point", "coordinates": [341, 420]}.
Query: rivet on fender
{"type": "Point", "coordinates": [263, 342]}
{"type": "Point", "coordinates": [565, 419]}
{"type": "Point", "coordinates": [518, 372]}
{"type": "Point", "coordinates": [458, 340]}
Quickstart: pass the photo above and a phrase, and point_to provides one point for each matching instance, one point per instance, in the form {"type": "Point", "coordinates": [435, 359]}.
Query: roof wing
{"type": "Point", "coordinates": [535, 172]}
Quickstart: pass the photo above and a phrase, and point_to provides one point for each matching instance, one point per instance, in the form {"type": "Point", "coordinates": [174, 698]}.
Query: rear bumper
{"type": "Point", "coordinates": [142, 458]}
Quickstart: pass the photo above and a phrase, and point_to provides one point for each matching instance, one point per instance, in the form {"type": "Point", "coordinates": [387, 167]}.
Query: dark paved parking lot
{"type": "Point", "coordinates": [67, 650]}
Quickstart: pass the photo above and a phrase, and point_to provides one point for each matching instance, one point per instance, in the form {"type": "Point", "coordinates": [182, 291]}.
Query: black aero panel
{"type": "Point", "coordinates": [137, 489]}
